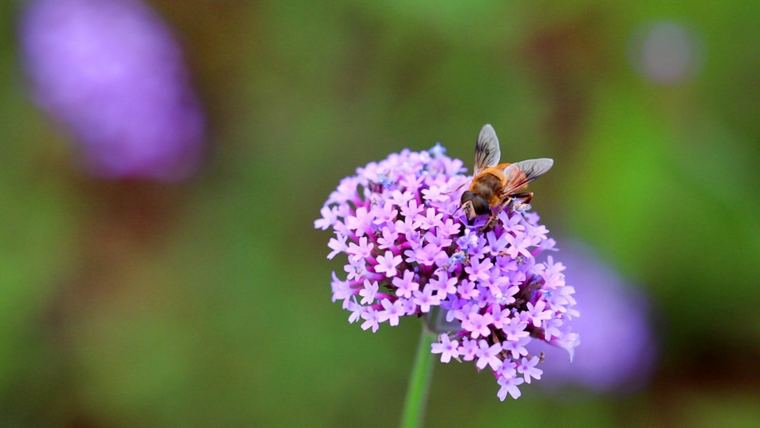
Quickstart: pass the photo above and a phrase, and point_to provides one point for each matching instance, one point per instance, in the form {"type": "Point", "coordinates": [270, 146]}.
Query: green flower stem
{"type": "Point", "coordinates": [419, 382]}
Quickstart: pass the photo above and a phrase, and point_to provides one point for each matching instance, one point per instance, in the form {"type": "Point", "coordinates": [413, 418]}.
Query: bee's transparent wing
{"type": "Point", "coordinates": [521, 173]}
{"type": "Point", "coordinates": [487, 151]}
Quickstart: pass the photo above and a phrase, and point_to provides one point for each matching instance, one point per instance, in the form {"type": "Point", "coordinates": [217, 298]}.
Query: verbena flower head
{"type": "Point", "coordinates": [410, 251]}
{"type": "Point", "coordinates": [113, 75]}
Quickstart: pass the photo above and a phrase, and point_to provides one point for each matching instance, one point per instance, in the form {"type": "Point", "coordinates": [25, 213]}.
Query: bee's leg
{"type": "Point", "coordinates": [523, 198]}
{"type": "Point", "coordinates": [517, 199]}
{"type": "Point", "coordinates": [458, 188]}
{"type": "Point", "coordinates": [495, 214]}
{"type": "Point", "coordinates": [491, 221]}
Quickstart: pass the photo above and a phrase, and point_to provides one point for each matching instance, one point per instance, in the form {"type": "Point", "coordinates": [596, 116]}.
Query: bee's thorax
{"type": "Point", "coordinates": [488, 186]}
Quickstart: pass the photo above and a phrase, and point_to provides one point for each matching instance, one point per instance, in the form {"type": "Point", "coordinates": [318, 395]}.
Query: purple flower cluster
{"type": "Point", "coordinates": [410, 251]}
{"type": "Point", "coordinates": [112, 73]}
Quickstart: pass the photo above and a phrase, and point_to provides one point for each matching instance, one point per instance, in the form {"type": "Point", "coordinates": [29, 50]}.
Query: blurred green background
{"type": "Point", "coordinates": [206, 303]}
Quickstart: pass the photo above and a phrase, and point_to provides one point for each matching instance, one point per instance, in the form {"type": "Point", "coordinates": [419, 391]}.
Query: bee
{"type": "Point", "coordinates": [494, 185]}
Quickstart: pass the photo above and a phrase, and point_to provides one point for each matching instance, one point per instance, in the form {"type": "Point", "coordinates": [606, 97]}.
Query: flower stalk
{"type": "Point", "coordinates": [419, 382]}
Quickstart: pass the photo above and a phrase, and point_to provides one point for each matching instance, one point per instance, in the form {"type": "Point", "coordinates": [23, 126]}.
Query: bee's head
{"type": "Point", "coordinates": [474, 205]}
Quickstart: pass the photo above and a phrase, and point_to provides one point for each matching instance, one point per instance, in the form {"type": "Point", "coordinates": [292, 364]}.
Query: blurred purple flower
{"type": "Point", "coordinates": [410, 255]}
{"type": "Point", "coordinates": [666, 52]}
{"type": "Point", "coordinates": [618, 347]}
{"type": "Point", "coordinates": [112, 73]}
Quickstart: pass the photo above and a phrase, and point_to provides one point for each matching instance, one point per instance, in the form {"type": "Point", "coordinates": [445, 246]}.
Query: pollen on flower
{"type": "Point", "coordinates": [409, 250]}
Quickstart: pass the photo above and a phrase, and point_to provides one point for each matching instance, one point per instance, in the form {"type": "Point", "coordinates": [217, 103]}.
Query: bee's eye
{"type": "Point", "coordinates": [480, 205]}
{"type": "Point", "coordinates": [467, 196]}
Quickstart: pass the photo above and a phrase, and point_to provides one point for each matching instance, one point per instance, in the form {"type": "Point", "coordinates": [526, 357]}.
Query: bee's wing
{"type": "Point", "coordinates": [523, 172]}
{"type": "Point", "coordinates": [487, 151]}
